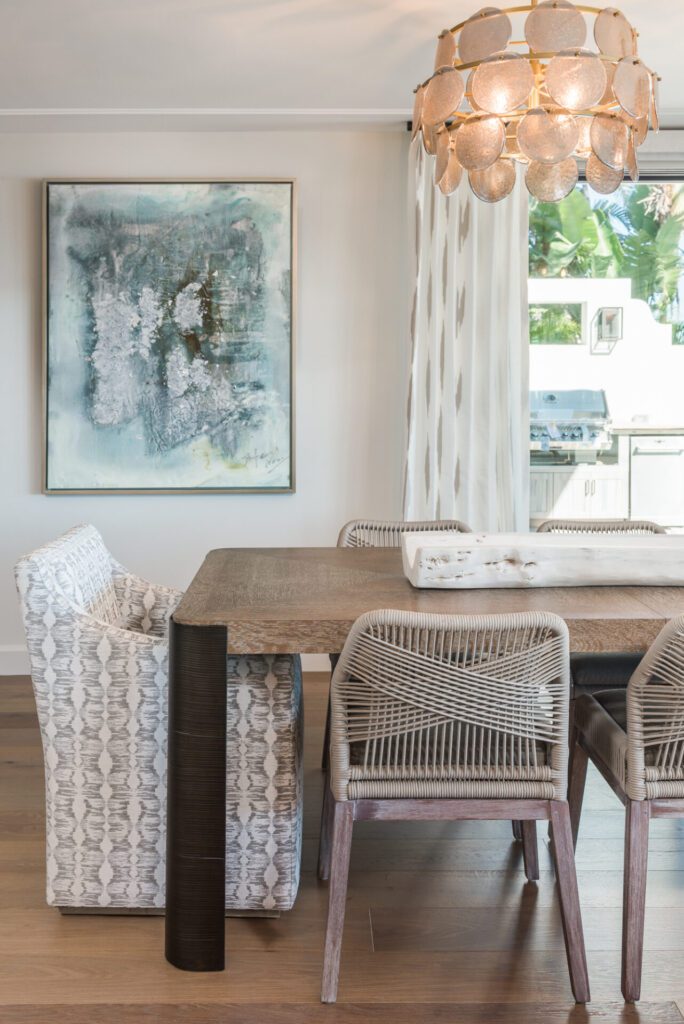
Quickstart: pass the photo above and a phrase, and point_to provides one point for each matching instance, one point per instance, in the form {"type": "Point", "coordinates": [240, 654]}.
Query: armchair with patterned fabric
{"type": "Point", "coordinates": [97, 642]}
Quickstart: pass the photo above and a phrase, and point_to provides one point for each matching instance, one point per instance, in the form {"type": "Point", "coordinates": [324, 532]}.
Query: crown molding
{"type": "Point", "coordinates": [228, 119]}
{"type": "Point", "coordinates": [198, 119]}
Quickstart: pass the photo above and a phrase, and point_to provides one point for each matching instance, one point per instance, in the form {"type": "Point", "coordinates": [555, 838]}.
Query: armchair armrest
{"type": "Point", "coordinates": [88, 657]}
{"type": "Point", "coordinates": [144, 607]}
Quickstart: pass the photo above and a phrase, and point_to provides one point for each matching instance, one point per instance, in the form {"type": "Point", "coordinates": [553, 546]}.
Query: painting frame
{"type": "Point", "coordinates": [292, 183]}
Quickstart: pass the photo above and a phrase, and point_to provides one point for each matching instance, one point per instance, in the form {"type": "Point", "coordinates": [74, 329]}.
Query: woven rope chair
{"type": "Point", "coordinates": [632, 527]}
{"type": "Point", "coordinates": [445, 718]}
{"type": "Point", "coordinates": [377, 533]}
{"type": "Point", "coordinates": [635, 737]}
{"type": "Point", "coordinates": [590, 672]}
{"type": "Point", "coordinates": [607, 669]}
{"type": "Point", "coordinates": [381, 533]}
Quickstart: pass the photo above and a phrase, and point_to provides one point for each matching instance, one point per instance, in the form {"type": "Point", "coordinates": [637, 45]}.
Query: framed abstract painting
{"type": "Point", "coordinates": [169, 311]}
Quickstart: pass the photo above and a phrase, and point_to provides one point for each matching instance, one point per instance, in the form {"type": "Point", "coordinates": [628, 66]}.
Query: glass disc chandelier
{"type": "Point", "coordinates": [545, 101]}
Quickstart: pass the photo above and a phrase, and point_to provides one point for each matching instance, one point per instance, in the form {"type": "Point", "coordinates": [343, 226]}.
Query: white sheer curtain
{"type": "Point", "coordinates": [468, 407]}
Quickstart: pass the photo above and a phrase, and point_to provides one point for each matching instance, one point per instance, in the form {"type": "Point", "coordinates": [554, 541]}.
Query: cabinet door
{"type": "Point", "coordinates": [572, 496]}
{"type": "Point", "coordinates": [541, 493]}
{"type": "Point", "coordinates": [608, 497]}
{"type": "Point", "coordinates": [657, 479]}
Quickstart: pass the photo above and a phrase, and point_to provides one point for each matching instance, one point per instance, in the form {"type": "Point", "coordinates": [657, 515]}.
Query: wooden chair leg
{"type": "Point", "coordinates": [343, 823]}
{"type": "Point", "coordinates": [566, 878]}
{"type": "Point", "coordinates": [517, 831]}
{"type": "Point", "coordinates": [576, 782]}
{"type": "Point", "coordinates": [325, 838]}
{"type": "Point", "coordinates": [530, 850]}
{"type": "Point", "coordinates": [634, 896]}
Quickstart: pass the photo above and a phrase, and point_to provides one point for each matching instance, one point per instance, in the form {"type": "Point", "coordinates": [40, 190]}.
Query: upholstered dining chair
{"type": "Point", "coordinates": [446, 718]}
{"type": "Point", "coordinates": [97, 642]}
{"type": "Point", "coordinates": [635, 737]}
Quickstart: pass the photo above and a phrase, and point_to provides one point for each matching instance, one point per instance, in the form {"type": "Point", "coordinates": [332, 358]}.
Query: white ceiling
{"type": "Point", "coordinates": [250, 62]}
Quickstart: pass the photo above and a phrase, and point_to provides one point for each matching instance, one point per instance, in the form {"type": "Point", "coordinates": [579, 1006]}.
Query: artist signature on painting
{"type": "Point", "coordinates": [268, 459]}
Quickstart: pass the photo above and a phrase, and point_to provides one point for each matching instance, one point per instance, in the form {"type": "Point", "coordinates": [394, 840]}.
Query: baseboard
{"type": "Point", "coordinates": [315, 662]}
{"type": "Point", "coordinates": [13, 660]}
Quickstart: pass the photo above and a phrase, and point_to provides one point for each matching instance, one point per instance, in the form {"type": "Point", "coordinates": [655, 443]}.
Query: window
{"type": "Point", "coordinates": [635, 234]}
{"type": "Point", "coordinates": [556, 323]}
{"type": "Point", "coordinates": [606, 298]}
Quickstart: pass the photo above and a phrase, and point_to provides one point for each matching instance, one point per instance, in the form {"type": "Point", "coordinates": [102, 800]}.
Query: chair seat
{"type": "Point", "coordinates": [530, 775]}
{"type": "Point", "coordinates": [602, 719]}
{"type": "Point", "coordinates": [615, 703]}
{"type": "Point", "coordinates": [603, 733]}
{"type": "Point", "coordinates": [528, 759]}
{"type": "Point", "coordinates": [593, 672]}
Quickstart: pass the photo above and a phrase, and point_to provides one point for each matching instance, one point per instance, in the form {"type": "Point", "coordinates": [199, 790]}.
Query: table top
{"type": "Point", "coordinates": [304, 601]}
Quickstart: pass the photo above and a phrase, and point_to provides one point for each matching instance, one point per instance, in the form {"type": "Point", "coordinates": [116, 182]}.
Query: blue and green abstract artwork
{"type": "Point", "coordinates": [169, 336]}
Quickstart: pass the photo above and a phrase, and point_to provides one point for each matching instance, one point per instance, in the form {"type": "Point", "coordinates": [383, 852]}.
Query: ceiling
{"type": "Point", "coordinates": [249, 63]}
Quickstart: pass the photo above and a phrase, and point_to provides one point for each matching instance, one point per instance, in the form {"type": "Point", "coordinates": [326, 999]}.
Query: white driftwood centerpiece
{"type": "Point", "coordinates": [473, 560]}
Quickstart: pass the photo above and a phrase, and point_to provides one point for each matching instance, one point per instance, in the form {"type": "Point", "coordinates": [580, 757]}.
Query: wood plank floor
{"type": "Point", "coordinates": [441, 927]}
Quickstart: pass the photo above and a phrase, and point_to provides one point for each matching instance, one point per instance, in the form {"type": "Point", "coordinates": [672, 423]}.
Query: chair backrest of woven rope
{"type": "Point", "coordinates": [655, 707]}
{"type": "Point", "coordinates": [422, 694]}
{"type": "Point", "coordinates": [378, 533]}
{"type": "Point", "coordinates": [633, 527]}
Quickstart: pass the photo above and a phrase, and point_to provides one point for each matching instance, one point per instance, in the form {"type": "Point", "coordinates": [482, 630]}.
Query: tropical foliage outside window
{"type": "Point", "coordinates": [638, 233]}
{"type": "Point", "coordinates": [556, 323]}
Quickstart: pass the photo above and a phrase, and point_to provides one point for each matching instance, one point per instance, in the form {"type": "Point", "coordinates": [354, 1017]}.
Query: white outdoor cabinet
{"type": "Point", "coordinates": [646, 482]}
{"type": "Point", "coordinates": [585, 491]}
{"type": "Point", "coordinates": [657, 478]}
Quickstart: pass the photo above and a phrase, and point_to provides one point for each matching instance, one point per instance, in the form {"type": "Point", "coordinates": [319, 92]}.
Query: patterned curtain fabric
{"type": "Point", "coordinates": [468, 406]}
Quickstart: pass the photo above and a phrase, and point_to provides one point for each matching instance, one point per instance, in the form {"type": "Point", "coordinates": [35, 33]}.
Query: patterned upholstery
{"type": "Point", "coordinates": [99, 661]}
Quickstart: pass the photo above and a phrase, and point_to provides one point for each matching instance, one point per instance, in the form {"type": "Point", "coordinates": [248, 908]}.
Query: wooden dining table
{"type": "Point", "coordinates": [302, 601]}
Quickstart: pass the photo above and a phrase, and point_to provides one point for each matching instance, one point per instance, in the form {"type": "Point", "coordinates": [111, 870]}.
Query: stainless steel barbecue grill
{"type": "Point", "coordinates": [569, 421]}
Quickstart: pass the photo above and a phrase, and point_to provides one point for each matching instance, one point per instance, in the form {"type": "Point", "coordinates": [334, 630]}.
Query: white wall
{"type": "Point", "coordinates": [351, 349]}
{"type": "Point", "coordinates": [642, 375]}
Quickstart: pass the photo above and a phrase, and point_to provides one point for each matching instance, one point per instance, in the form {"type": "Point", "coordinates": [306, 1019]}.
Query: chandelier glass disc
{"type": "Point", "coordinates": [555, 25]}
